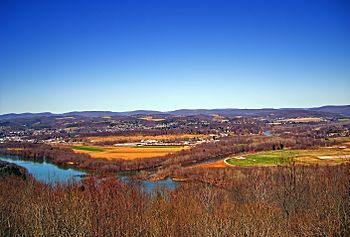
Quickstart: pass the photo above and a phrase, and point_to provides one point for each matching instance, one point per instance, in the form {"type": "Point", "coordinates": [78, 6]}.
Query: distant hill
{"type": "Point", "coordinates": [110, 113]}
{"type": "Point", "coordinates": [343, 110]}
{"type": "Point", "coordinates": [138, 112]}
{"type": "Point", "coordinates": [25, 115]}
{"type": "Point", "coordinates": [339, 109]}
{"type": "Point", "coordinates": [89, 113]}
{"type": "Point", "coordinates": [224, 112]}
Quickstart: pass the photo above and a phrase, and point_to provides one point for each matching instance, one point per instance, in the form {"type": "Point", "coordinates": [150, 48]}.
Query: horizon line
{"type": "Point", "coordinates": [167, 111]}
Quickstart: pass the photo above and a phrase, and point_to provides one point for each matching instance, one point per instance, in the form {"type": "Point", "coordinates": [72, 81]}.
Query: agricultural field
{"type": "Point", "coordinates": [217, 116]}
{"type": "Point", "coordinates": [127, 153]}
{"type": "Point", "coordinates": [302, 120]}
{"type": "Point", "coordinates": [150, 118]}
{"type": "Point", "coordinates": [89, 148]}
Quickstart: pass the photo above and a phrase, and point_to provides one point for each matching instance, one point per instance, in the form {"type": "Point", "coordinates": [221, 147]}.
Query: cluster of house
{"type": "Point", "coordinates": [212, 137]}
{"type": "Point", "coordinates": [160, 143]}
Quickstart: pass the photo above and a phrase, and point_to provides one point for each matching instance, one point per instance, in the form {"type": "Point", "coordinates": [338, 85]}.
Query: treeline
{"type": "Point", "coordinates": [284, 201]}
{"type": "Point", "coordinates": [317, 131]}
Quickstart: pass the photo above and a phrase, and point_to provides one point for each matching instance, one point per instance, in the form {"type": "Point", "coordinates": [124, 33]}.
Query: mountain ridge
{"type": "Point", "coordinates": [335, 109]}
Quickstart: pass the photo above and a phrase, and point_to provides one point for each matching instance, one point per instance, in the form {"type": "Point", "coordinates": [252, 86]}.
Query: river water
{"type": "Point", "coordinates": [50, 173]}
{"type": "Point", "coordinates": [46, 172]}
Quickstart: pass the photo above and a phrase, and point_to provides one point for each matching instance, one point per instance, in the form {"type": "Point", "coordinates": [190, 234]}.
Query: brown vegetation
{"type": "Point", "coordinates": [214, 164]}
{"type": "Point", "coordinates": [283, 201]}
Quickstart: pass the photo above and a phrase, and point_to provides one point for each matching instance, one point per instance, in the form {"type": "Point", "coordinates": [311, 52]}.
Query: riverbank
{"type": "Point", "coordinates": [8, 168]}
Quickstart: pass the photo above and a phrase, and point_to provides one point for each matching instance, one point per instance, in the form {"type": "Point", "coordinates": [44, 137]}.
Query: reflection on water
{"type": "Point", "coordinates": [46, 172]}
{"type": "Point", "coordinates": [50, 173]}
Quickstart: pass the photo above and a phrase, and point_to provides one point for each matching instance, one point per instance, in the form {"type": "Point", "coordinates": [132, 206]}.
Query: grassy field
{"type": "Point", "coordinates": [127, 153]}
{"type": "Point", "coordinates": [283, 156]}
{"type": "Point", "coordinates": [89, 148]}
{"type": "Point", "coordinates": [263, 158]}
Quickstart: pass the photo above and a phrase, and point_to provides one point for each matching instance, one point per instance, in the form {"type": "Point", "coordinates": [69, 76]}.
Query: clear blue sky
{"type": "Point", "coordinates": [61, 55]}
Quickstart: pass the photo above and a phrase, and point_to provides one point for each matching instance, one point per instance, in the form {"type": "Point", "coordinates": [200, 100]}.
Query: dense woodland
{"type": "Point", "coordinates": [284, 201]}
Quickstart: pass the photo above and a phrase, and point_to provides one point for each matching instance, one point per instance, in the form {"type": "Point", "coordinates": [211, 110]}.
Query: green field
{"type": "Point", "coordinates": [264, 158]}
{"type": "Point", "coordinates": [89, 148]}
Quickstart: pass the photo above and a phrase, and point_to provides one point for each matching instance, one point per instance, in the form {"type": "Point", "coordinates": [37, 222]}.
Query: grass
{"type": "Point", "coordinates": [89, 148]}
{"type": "Point", "coordinates": [263, 158]}
{"type": "Point", "coordinates": [283, 156]}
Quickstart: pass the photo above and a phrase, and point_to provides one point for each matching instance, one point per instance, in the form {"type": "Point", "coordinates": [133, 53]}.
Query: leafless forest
{"type": "Point", "coordinates": [284, 201]}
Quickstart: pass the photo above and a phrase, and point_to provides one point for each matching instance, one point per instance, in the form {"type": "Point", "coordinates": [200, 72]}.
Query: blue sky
{"type": "Point", "coordinates": [62, 55]}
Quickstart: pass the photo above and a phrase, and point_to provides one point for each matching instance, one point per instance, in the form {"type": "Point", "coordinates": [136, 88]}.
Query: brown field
{"type": "Point", "coordinates": [217, 116]}
{"type": "Point", "coordinates": [129, 153]}
{"type": "Point", "coordinates": [214, 164]}
{"type": "Point", "coordinates": [150, 118]}
{"type": "Point", "coordinates": [137, 138]}
{"type": "Point", "coordinates": [301, 120]}
{"type": "Point", "coordinates": [71, 128]}
{"type": "Point", "coordinates": [314, 156]}
{"type": "Point", "coordinates": [15, 149]}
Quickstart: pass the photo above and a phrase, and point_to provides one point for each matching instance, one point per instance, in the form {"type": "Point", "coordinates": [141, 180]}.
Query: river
{"type": "Point", "coordinates": [50, 174]}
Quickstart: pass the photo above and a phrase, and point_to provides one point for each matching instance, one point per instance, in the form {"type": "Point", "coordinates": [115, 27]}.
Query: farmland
{"type": "Point", "coordinates": [150, 118]}
{"type": "Point", "coordinates": [127, 152]}
{"type": "Point", "coordinates": [161, 145]}
{"type": "Point", "coordinates": [89, 148]}
{"type": "Point", "coordinates": [301, 120]}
